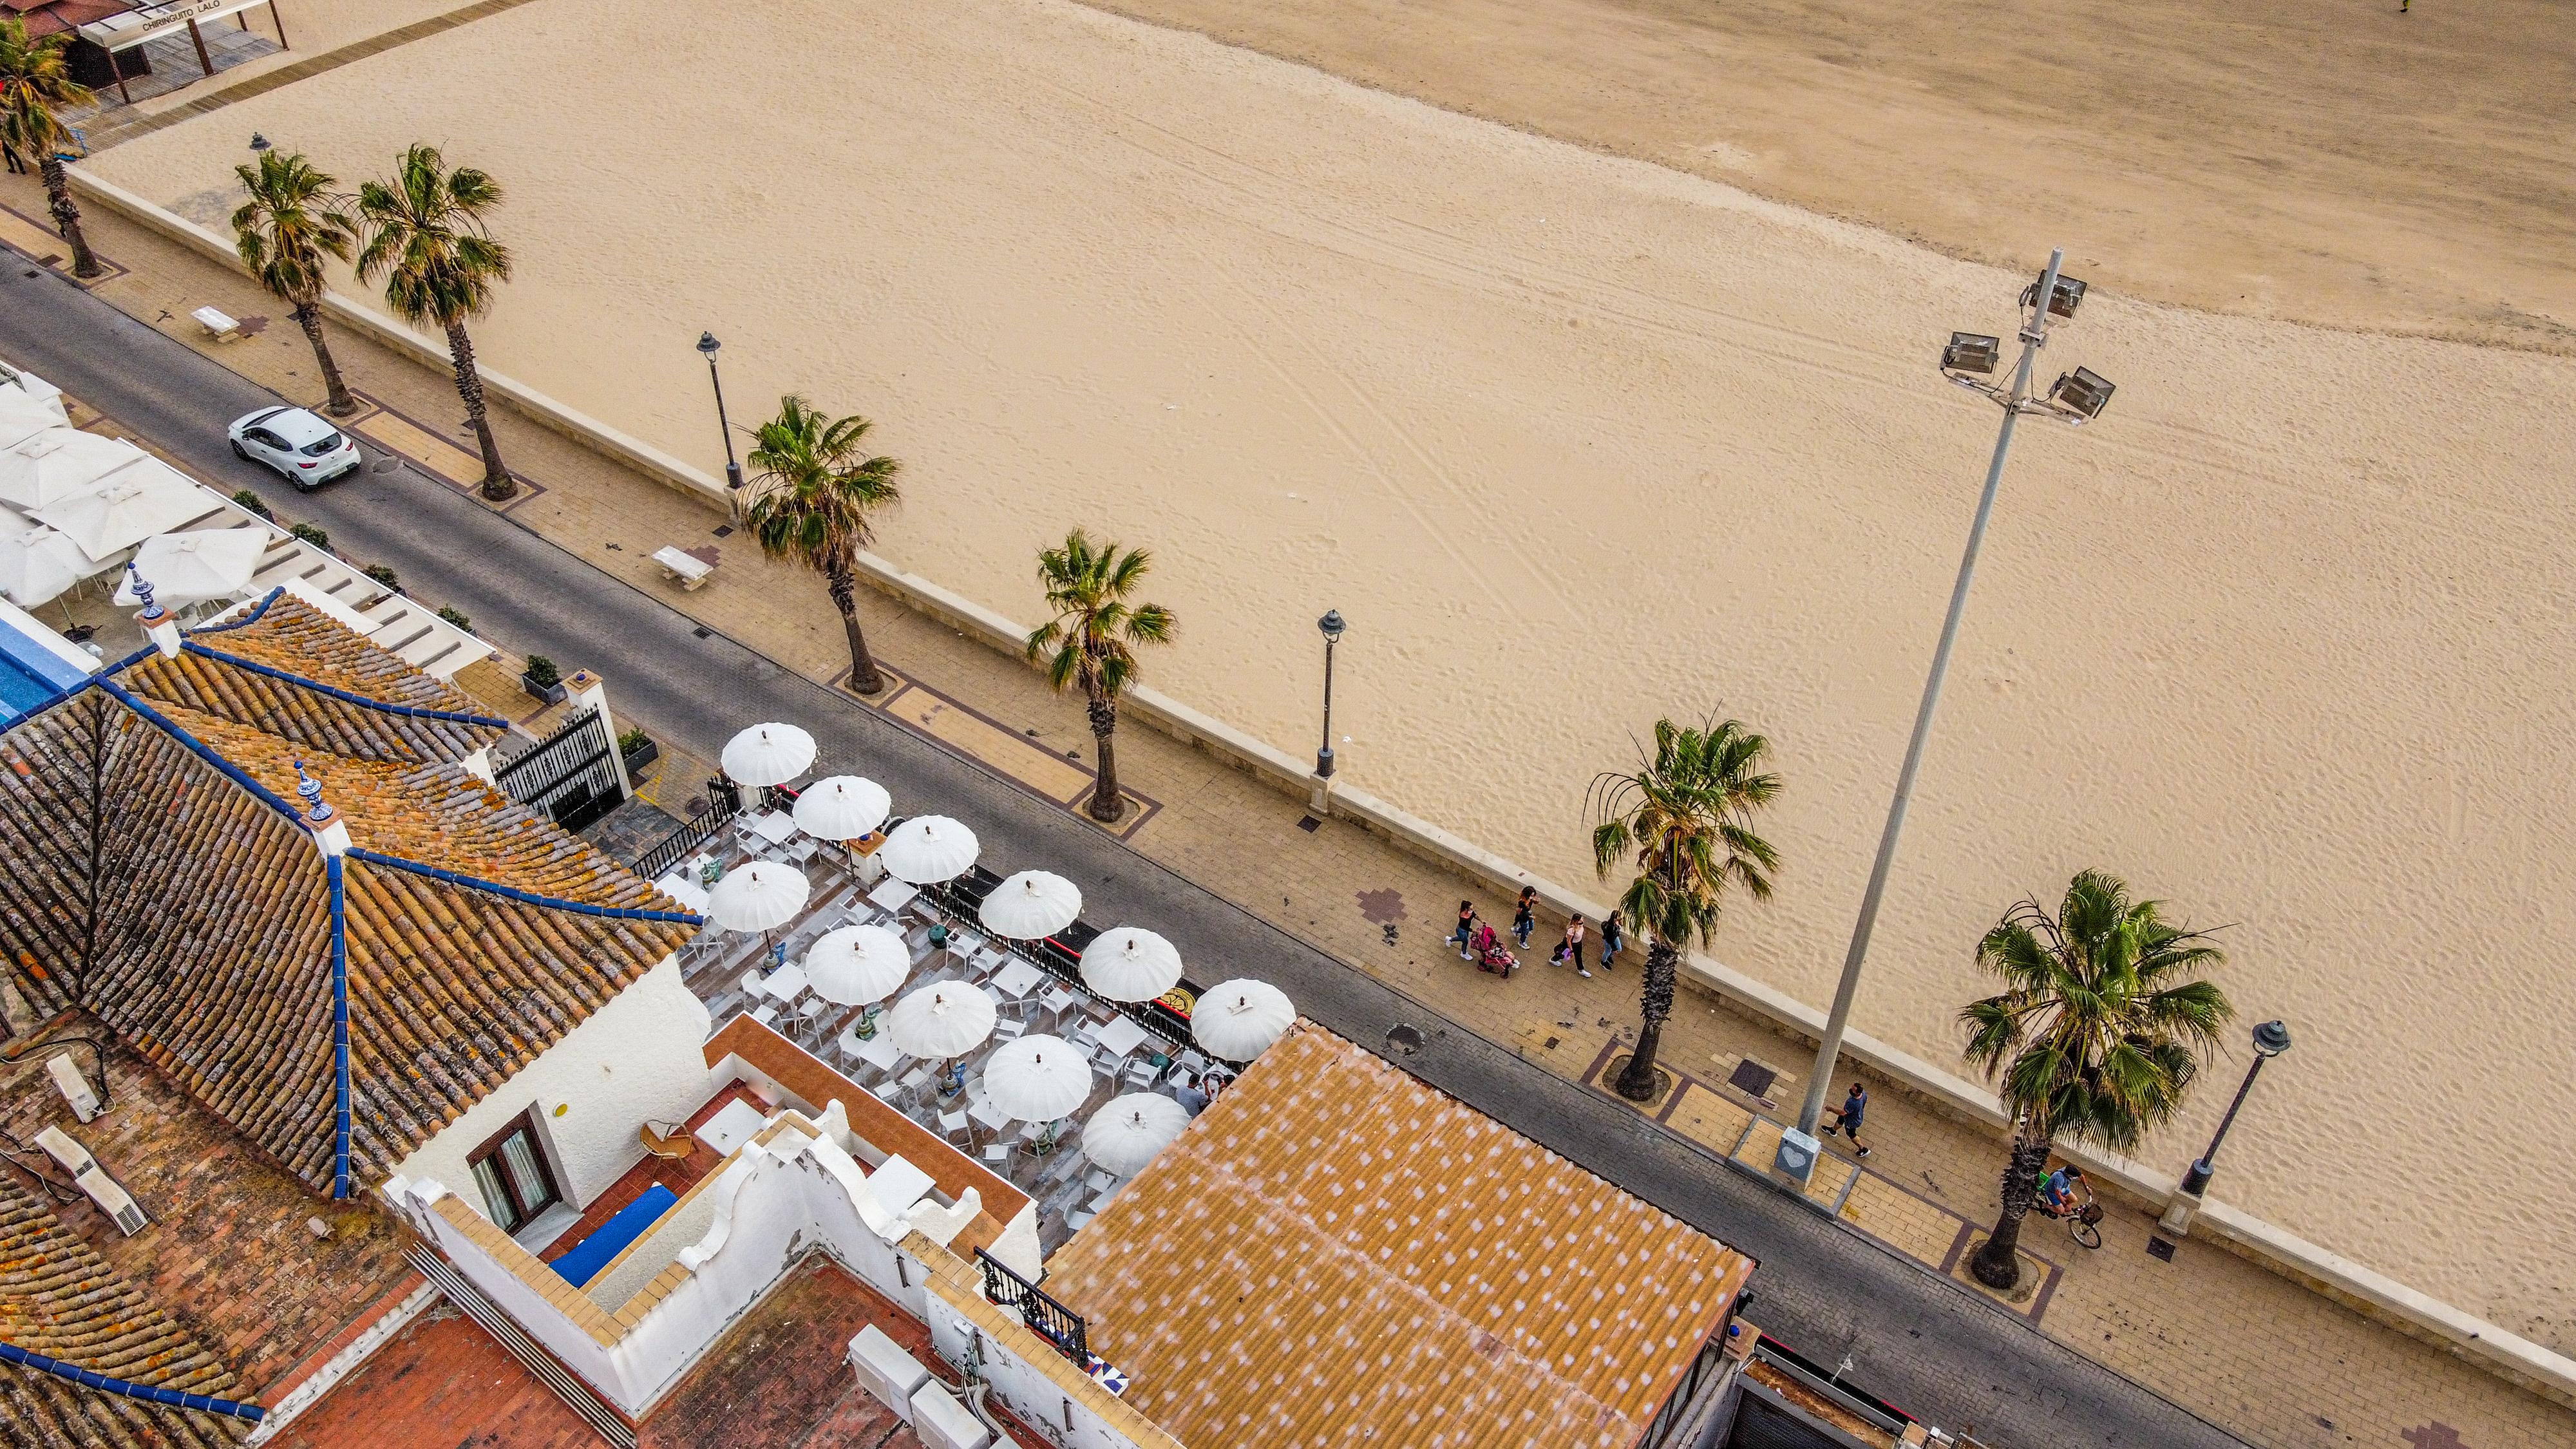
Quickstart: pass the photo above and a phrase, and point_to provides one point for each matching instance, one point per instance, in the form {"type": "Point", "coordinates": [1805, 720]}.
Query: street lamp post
{"type": "Point", "coordinates": [707, 345]}
{"type": "Point", "coordinates": [2270, 1040]}
{"type": "Point", "coordinates": [1332, 626]}
{"type": "Point", "coordinates": [2077, 398]}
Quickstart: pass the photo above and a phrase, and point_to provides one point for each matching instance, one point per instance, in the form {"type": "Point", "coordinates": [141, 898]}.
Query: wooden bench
{"type": "Point", "coordinates": [687, 567]}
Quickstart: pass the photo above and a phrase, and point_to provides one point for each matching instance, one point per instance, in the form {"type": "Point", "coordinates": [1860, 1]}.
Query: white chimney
{"type": "Point", "coordinates": [74, 1087]}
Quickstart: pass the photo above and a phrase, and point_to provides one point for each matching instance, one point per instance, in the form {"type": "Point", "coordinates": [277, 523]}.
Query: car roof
{"type": "Point", "coordinates": [297, 426]}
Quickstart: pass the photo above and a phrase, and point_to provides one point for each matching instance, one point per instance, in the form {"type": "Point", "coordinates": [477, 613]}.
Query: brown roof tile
{"type": "Point", "coordinates": [1335, 1253]}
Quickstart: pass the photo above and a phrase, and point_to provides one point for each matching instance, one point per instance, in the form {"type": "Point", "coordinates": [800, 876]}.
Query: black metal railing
{"type": "Point", "coordinates": [1045, 1317]}
{"type": "Point", "coordinates": [1060, 956]}
{"type": "Point", "coordinates": [724, 803]}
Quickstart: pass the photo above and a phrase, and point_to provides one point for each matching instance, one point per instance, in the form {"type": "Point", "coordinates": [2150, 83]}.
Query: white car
{"type": "Point", "coordinates": [304, 449]}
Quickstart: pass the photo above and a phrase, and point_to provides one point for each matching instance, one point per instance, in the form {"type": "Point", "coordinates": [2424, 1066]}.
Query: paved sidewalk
{"type": "Point", "coordinates": [2229, 1340]}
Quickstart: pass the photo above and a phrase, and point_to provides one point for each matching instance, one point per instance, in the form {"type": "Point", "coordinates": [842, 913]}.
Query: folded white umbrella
{"type": "Point", "coordinates": [761, 896]}
{"type": "Point", "coordinates": [1031, 904]}
{"type": "Point", "coordinates": [1238, 1020]}
{"type": "Point", "coordinates": [842, 807]}
{"type": "Point", "coordinates": [928, 849]}
{"type": "Point", "coordinates": [1130, 963]}
{"type": "Point", "coordinates": [768, 754]}
{"type": "Point", "coordinates": [52, 464]}
{"type": "Point", "coordinates": [942, 1021]}
{"type": "Point", "coordinates": [129, 506]}
{"type": "Point", "coordinates": [207, 564]}
{"type": "Point", "coordinates": [37, 564]}
{"type": "Point", "coordinates": [1125, 1135]}
{"type": "Point", "coordinates": [856, 965]}
{"type": "Point", "coordinates": [1036, 1078]}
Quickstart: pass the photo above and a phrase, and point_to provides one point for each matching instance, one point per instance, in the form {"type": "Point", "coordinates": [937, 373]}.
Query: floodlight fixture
{"type": "Point", "coordinates": [1972, 352]}
{"type": "Point", "coordinates": [2062, 302]}
{"type": "Point", "coordinates": [2083, 393]}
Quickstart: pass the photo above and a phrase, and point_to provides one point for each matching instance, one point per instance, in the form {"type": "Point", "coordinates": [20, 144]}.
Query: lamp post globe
{"type": "Point", "coordinates": [707, 346]}
{"type": "Point", "coordinates": [2270, 1040]}
{"type": "Point", "coordinates": [1331, 626]}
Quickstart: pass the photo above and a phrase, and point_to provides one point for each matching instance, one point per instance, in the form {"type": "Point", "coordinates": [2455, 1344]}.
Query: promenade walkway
{"type": "Point", "coordinates": [2226, 1339]}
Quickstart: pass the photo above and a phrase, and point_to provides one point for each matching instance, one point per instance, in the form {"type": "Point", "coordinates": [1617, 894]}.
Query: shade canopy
{"type": "Point", "coordinates": [942, 1020]}
{"type": "Point", "coordinates": [37, 564]}
{"type": "Point", "coordinates": [842, 807]}
{"type": "Point", "coordinates": [47, 465]}
{"type": "Point", "coordinates": [928, 849]}
{"type": "Point", "coordinates": [1130, 963]}
{"type": "Point", "coordinates": [1238, 1020]}
{"type": "Point", "coordinates": [23, 417]}
{"type": "Point", "coordinates": [1031, 904]}
{"type": "Point", "coordinates": [1036, 1078]}
{"type": "Point", "coordinates": [768, 754]}
{"type": "Point", "coordinates": [1125, 1135]}
{"type": "Point", "coordinates": [761, 896]}
{"type": "Point", "coordinates": [210, 563]}
{"type": "Point", "coordinates": [132, 504]}
{"type": "Point", "coordinates": [856, 965]}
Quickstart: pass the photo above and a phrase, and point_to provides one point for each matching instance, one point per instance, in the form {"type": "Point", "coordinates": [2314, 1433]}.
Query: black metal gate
{"type": "Point", "coordinates": [570, 774]}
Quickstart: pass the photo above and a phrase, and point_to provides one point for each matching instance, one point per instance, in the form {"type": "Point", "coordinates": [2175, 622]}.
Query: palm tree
{"type": "Point", "coordinates": [1684, 817]}
{"type": "Point", "coordinates": [1087, 643]}
{"type": "Point", "coordinates": [815, 493]}
{"type": "Point", "coordinates": [291, 222]}
{"type": "Point", "coordinates": [426, 238]}
{"type": "Point", "coordinates": [2099, 1031]}
{"type": "Point", "coordinates": [35, 86]}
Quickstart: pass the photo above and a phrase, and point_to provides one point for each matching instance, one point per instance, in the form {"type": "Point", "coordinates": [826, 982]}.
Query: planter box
{"type": "Point", "coordinates": [640, 756]}
{"type": "Point", "coordinates": [548, 693]}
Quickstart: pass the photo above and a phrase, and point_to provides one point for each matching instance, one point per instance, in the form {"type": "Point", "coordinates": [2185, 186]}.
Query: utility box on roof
{"type": "Point", "coordinates": [886, 1371]}
{"type": "Point", "coordinates": [940, 1422]}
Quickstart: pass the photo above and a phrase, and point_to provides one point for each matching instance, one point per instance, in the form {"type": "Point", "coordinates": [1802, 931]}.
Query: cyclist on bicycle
{"type": "Point", "coordinates": [2057, 1190]}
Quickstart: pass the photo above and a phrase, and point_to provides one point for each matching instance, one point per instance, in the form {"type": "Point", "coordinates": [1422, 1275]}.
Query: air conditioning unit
{"type": "Point", "coordinates": [113, 1200]}
{"type": "Point", "coordinates": [940, 1422]}
{"type": "Point", "coordinates": [886, 1371]}
{"type": "Point", "coordinates": [74, 1087]}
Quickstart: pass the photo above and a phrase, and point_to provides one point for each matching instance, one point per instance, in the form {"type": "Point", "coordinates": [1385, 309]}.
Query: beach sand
{"type": "Point", "coordinates": [1575, 441]}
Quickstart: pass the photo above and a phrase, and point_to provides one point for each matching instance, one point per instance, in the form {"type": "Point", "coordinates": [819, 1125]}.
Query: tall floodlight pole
{"type": "Point", "coordinates": [2075, 398]}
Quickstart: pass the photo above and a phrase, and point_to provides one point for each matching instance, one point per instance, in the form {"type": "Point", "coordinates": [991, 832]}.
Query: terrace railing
{"type": "Point", "coordinates": [1045, 1317]}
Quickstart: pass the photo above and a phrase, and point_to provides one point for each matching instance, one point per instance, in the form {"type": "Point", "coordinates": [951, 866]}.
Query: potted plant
{"type": "Point", "coordinates": [638, 750]}
{"type": "Point", "coordinates": [543, 680]}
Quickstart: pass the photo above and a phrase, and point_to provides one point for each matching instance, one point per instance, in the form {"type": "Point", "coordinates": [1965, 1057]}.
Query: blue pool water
{"type": "Point", "coordinates": [30, 674]}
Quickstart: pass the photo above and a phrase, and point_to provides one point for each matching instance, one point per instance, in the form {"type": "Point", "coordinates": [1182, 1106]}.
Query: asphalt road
{"type": "Point", "coordinates": [1913, 1339]}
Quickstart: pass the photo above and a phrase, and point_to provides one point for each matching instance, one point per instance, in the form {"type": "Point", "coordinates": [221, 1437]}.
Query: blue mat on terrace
{"type": "Point", "coordinates": [593, 1253]}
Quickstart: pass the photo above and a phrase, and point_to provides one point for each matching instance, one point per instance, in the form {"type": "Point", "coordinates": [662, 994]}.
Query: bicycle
{"type": "Point", "coordinates": [2082, 1217]}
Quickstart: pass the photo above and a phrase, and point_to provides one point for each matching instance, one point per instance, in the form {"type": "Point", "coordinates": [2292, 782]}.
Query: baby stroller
{"type": "Point", "coordinates": [1490, 954]}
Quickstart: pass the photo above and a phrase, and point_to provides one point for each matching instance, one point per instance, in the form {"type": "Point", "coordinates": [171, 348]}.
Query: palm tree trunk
{"type": "Point", "coordinates": [1655, 1003]}
{"type": "Point", "coordinates": [309, 317]}
{"type": "Point", "coordinates": [839, 577]}
{"type": "Point", "coordinates": [497, 482]}
{"type": "Point", "coordinates": [1995, 1263]}
{"type": "Point", "coordinates": [58, 191]}
{"type": "Point", "coordinates": [1107, 804]}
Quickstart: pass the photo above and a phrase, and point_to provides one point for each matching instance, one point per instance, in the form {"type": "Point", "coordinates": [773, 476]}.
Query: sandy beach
{"type": "Point", "coordinates": [1575, 440]}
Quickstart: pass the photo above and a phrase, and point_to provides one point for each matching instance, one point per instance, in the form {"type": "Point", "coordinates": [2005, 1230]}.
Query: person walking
{"type": "Point", "coordinates": [1524, 915]}
{"type": "Point", "coordinates": [1611, 941]}
{"type": "Point", "coordinates": [1466, 931]}
{"type": "Point", "coordinates": [1573, 946]}
{"type": "Point", "coordinates": [1847, 1119]}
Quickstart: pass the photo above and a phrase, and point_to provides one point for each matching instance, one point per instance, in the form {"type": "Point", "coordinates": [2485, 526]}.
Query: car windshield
{"type": "Point", "coordinates": [322, 445]}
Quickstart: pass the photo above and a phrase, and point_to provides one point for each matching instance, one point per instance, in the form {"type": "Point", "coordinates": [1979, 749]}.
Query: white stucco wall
{"type": "Point", "coordinates": [639, 1057]}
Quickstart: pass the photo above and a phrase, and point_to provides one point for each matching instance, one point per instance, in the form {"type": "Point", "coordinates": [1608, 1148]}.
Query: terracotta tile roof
{"type": "Point", "coordinates": [57, 1298]}
{"type": "Point", "coordinates": [150, 887]}
{"type": "Point", "coordinates": [293, 637]}
{"type": "Point", "coordinates": [1335, 1253]}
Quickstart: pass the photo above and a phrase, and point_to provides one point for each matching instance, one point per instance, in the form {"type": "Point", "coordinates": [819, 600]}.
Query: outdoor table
{"type": "Point", "coordinates": [892, 894]}
{"type": "Point", "coordinates": [878, 1051]}
{"type": "Point", "coordinates": [1015, 979]}
{"type": "Point", "coordinates": [897, 1185]}
{"type": "Point", "coordinates": [784, 984]}
{"type": "Point", "coordinates": [680, 887]}
{"type": "Point", "coordinates": [1120, 1036]}
{"type": "Point", "coordinates": [732, 1126]}
{"type": "Point", "coordinates": [775, 826]}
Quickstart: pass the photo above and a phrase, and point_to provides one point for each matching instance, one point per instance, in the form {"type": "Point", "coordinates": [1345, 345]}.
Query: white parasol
{"type": "Point", "coordinates": [1125, 1135]}
{"type": "Point", "coordinates": [761, 896]}
{"type": "Point", "coordinates": [38, 564]}
{"type": "Point", "coordinates": [23, 417]}
{"type": "Point", "coordinates": [207, 564]}
{"type": "Point", "coordinates": [1130, 963]}
{"type": "Point", "coordinates": [1036, 1078]}
{"type": "Point", "coordinates": [842, 807]}
{"type": "Point", "coordinates": [1238, 1020]}
{"type": "Point", "coordinates": [1031, 904]}
{"type": "Point", "coordinates": [856, 965]}
{"type": "Point", "coordinates": [942, 1021]}
{"type": "Point", "coordinates": [768, 754]}
{"type": "Point", "coordinates": [928, 849]}
{"type": "Point", "coordinates": [53, 464]}
{"type": "Point", "coordinates": [129, 506]}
